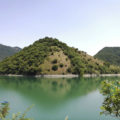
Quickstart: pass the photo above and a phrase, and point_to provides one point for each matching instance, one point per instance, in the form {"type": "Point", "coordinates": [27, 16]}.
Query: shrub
{"type": "Point", "coordinates": [55, 67]}
{"type": "Point", "coordinates": [69, 70]}
{"type": "Point", "coordinates": [48, 70]}
{"type": "Point", "coordinates": [63, 73]}
{"type": "Point", "coordinates": [107, 64]}
{"type": "Point", "coordinates": [54, 61]}
{"type": "Point", "coordinates": [66, 59]}
{"type": "Point", "coordinates": [52, 53]}
{"type": "Point", "coordinates": [61, 65]}
{"type": "Point", "coordinates": [78, 70]}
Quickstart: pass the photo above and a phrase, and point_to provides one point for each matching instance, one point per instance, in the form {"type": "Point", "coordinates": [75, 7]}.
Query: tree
{"type": "Point", "coordinates": [111, 104]}
{"type": "Point", "coordinates": [55, 67]}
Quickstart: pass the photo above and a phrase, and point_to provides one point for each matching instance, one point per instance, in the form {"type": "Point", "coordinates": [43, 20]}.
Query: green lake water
{"type": "Point", "coordinates": [55, 98]}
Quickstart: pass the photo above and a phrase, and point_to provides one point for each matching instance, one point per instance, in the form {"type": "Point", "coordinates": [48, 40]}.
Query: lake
{"type": "Point", "coordinates": [55, 98]}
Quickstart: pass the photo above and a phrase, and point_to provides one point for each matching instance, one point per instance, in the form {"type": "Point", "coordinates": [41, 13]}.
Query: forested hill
{"type": "Point", "coordinates": [6, 51]}
{"type": "Point", "coordinates": [50, 56]}
{"type": "Point", "coordinates": [110, 54]}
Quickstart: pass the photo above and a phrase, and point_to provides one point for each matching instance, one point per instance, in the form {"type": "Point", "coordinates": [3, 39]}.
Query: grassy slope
{"type": "Point", "coordinates": [38, 59]}
{"type": "Point", "coordinates": [61, 59]}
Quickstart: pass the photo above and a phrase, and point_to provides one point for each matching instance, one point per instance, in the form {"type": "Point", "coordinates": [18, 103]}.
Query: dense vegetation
{"type": "Point", "coordinates": [110, 54]}
{"type": "Point", "coordinates": [4, 110]}
{"type": "Point", "coordinates": [50, 56]}
{"type": "Point", "coordinates": [111, 104]}
{"type": "Point", "coordinates": [6, 51]}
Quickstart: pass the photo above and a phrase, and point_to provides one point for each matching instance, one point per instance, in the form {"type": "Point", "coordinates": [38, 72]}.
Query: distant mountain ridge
{"type": "Point", "coordinates": [6, 51]}
{"type": "Point", "coordinates": [109, 54]}
{"type": "Point", "coordinates": [51, 56]}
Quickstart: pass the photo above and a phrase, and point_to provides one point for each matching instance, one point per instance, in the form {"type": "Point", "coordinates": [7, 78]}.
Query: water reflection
{"type": "Point", "coordinates": [51, 91]}
{"type": "Point", "coordinates": [55, 98]}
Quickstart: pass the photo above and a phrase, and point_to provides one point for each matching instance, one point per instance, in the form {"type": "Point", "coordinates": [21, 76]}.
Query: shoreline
{"type": "Point", "coordinates": [65, 76]}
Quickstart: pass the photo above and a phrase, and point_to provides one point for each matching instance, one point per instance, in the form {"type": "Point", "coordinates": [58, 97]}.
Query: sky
{"type": "Point", "coordinates": [88, 25]}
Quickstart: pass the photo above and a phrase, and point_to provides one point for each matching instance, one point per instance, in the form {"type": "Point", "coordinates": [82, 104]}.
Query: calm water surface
{"type": "Point", "coordinates": [78, 98]}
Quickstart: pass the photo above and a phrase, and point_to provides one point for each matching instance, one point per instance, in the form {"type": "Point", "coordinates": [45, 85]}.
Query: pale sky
{"type": "Point", "coordinates": [88, 25]}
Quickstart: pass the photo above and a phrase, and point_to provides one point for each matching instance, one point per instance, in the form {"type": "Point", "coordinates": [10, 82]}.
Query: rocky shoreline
{"type": "Point", "coordinates": [67, 76]}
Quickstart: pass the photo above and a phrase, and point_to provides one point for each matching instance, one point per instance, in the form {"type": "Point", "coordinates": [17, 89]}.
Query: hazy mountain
{"type": "Point", "coordinates": [109, 54]}
{"type": "Point", "coordinates": [6, 51]}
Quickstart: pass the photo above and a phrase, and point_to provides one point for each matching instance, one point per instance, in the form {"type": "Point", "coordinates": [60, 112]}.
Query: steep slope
{"type": "Point", "coordinates": [50, 56]}
{"type": "Point", "coordinates": [109, 54]}
{"type": "Point", "coordinates": [6, 51]}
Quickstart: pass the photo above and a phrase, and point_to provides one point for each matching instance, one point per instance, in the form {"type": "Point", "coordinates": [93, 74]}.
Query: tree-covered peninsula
{"type": "Point", "coordinates": [50, 56]}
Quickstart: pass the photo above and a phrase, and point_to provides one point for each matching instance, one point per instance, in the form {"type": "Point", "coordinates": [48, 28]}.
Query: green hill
{"type": "Point", "coordinates": [109, 54]}
{"type": "Point", "coordinates": [6, 51]}
{"type": "Point", "coordinates": [50, 56]}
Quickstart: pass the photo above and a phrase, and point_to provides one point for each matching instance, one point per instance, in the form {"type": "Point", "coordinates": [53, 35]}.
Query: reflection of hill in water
{"type": "Point", "coordinates": [52, 91]}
